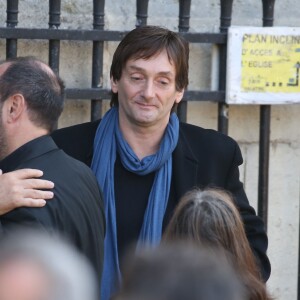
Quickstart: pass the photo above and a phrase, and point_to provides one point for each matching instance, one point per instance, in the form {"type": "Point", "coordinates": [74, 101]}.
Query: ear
{"type": "Point", "coordinates": [179, 96]}
{"type": "Point", "coordinates": [14, 107]}
{"type": "Point", "coordinates": [114, 85]}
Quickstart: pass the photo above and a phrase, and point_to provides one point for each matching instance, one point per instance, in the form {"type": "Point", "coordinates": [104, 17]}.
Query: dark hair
{"type": "Point", "coordinates": [179, 271]}
{"type": "Point", "coordinates": [145, 42]}
{"type": "Point", "coordinates": [41, 88]}
{"type": "Point", "coordinates": [210, 218]}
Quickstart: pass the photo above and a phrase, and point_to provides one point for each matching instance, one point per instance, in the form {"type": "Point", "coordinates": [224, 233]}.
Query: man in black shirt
{"type": "Point", "coordinates": [31, 100]}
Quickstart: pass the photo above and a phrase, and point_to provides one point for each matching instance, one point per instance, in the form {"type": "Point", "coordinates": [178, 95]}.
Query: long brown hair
{"type": "Point", "coordinates": [210, 218]}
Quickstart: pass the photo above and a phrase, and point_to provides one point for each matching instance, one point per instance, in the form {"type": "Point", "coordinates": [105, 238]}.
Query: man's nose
{"type": "Point", "coordinates": [148, 90]}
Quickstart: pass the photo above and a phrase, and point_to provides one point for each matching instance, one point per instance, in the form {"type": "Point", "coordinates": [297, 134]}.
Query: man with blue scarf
{"type": "Point", "coordinates": [145, 159]}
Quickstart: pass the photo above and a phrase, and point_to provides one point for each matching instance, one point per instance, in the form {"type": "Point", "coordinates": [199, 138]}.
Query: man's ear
{"type": "Point", "coordinates": [14, 107]}
{"type": "Point", "coordinates": [179, 96]}
{"type": "Point", "coordinates": [114, 85]}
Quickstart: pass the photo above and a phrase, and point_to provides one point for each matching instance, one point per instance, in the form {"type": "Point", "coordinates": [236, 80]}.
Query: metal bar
{"type": "Point", "coordinates": [97, 65]}
{"type": "Point", "coordinates": [54, 13]}
{"type": "Point", "coordinates": [54, 50]}
{"type": "Point", "coordinates": [87, 93]}
{"type": "Point", "coordinates": [184, 15]}
{"type": "Point", "coordinates": [141, 12]}
{"type": "Point", "coordinates": [184, 25]}
{"type": "Point", "coordinates": [225, 21]}
{"type": "Point", "coordinates": [97, 35]}
{"type": "Point", "coordinates": [209, 38]}
{"type": "Point", "coordinates": [11, 22]}
{"type": "Point", "coordinates": [264, 133]}
{"type": "Point", "coordinates": [98, 12]}
{"type": "Point", "coordinates": [214, 96]}
{"type": "Point", "coordinates": [263, 172]}
{"type": "Point", "coordinates": [54, 45]}
{"type": "Point", "coordinates": [54, 23]}
{"type": "Point", "coordinates": [268, 12]}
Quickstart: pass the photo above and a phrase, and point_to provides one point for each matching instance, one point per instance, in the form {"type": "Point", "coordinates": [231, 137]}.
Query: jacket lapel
{"type": "Point", "coordinates": [185, 166]}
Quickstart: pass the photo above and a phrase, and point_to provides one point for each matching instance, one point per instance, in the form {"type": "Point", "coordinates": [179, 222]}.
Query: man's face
{"type": "Point", "coordinates": [146, 91]}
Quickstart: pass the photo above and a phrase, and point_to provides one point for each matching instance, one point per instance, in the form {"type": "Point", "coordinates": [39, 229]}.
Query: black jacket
{"type": "Point", "coordinates": [203, 157]}
{"type": "Point", "coordinates": [76, 211]}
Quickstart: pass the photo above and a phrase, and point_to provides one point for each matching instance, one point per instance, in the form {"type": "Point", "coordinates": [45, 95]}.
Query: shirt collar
{"type": "Point", "coordinates": [27, 152]}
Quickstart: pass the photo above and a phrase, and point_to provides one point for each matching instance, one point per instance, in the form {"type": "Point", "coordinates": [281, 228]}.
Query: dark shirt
{"type": "Point", "coordinates": [76, 211]}
{"type": "Point", "coordinates": [131, 195]}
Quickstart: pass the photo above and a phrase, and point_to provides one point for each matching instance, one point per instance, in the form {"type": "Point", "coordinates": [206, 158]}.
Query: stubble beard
{"type": "Point", "coordinates": [3, 140]}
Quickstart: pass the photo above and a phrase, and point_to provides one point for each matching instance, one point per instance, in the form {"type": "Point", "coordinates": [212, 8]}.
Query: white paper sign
{"type": "Point", "coordinates": [263, 65]}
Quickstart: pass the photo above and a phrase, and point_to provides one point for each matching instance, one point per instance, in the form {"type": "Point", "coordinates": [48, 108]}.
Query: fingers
{"type": "Point", "coordinates": [27, 173]}
{"type": "Point", "coordinates": [37, 195]}
{"type": "Point", "coordinates": [32, 198]}
{"type": "Point", "coordinates": [29, 202]}
{"type": "Point", "coordinates": [23, 188]}
{"type": "Point", "coordinates": [39, 184]}
{"type": "Point", "coordinates": [28, 178]}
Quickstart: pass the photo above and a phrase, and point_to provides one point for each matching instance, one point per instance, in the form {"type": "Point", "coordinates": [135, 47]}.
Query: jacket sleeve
{"type": "Point", "coordinates": [254, 225]}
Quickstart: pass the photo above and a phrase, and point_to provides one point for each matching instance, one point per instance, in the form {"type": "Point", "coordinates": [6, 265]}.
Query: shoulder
{"type": "Point", "coordinates": [75, 187]}
{"type": "Point", "coordinates": [205, 137]}
{"type": "Point", "coordinates": [75, 132]}
{"type": "Point", "coordinates": [64, 168]}
{"type": "Point", "coordinates": [77, 140]}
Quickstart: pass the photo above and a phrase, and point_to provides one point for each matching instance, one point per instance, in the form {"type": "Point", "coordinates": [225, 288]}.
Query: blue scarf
{"type": "Point", "coordinates": [109, 140]}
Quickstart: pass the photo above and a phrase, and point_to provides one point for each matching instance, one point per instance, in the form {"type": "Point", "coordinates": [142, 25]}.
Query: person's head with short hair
{"type": "Point", "coordinates": [31, 101]}
{"type": "Point", "coordinates": [147, 42]}
{"type": "Point", "coordinates": [179, 271]}
{"type": "Point", "coordinates": [35, 265]}
{"type": "Point", "coordinates": [42, 89]}
{"type": "Point", "coordinates": [210, 218]}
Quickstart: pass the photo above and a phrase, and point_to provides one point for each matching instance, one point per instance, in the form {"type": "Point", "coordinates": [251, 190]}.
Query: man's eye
{"type": "Point", "coordinates": [136, 78]}
{"type": "Point", "coordinates": [163, 82]}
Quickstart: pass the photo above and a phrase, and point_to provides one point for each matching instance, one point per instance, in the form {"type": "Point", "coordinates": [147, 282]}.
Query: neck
{"type": "Point", "coordinates": [144, 141]}
{"type": "Point", "coordinates": [20, 138]}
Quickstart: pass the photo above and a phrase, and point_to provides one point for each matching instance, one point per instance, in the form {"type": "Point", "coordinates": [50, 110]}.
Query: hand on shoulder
{"type": "Point", "coordinates": [23, 188]}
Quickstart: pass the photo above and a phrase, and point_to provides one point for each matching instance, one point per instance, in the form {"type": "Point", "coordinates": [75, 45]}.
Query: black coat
{"type": "Point", "coordinates": [76, 211]}
{"type": "Point", "coordinates": [202, 157]}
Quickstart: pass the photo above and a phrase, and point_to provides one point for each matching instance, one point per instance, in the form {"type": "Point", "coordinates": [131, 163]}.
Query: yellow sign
{"type": "Point", "coordinates": [270, 63]}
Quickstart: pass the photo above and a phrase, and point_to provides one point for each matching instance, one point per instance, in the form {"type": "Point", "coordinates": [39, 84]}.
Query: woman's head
{"type": "Point", "coordinates": [210, 219]}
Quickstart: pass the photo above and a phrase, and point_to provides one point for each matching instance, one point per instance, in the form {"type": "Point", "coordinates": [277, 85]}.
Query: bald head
{"type": "Point", "coordinates": [41, 88]}
{"type": "Point", "coordinates": [3, 67]}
